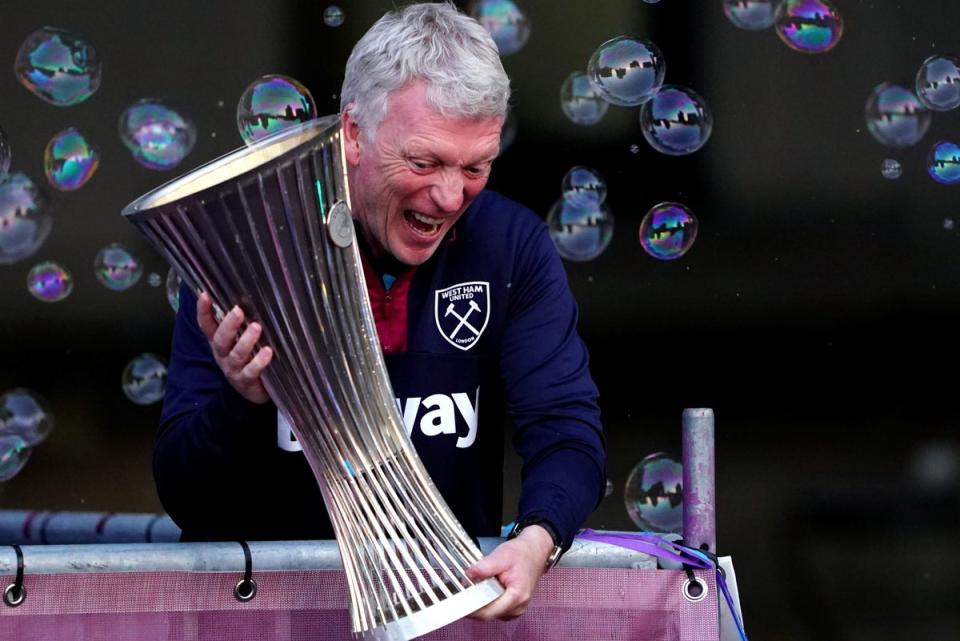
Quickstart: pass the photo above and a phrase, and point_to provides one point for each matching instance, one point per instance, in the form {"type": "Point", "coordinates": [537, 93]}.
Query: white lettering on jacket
{"type": "Point", "coordinates": [437, 415]}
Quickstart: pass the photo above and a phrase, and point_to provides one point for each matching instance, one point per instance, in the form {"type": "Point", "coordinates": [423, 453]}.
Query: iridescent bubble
{"type": "Point", "coordinates": [14, 453]}
{"type": "Point", "coordinates": [69, 160]}
{"type": "Point", "coordinates": [25, 219]}
{"type": "Point", "coordinates": [580, 233]}
{"type": "Point", "coordinates": [626, 71]}
{"type": "Point", "coordinates": [676, 121]}
{"type": "Point", "coordinates": [333, 16]}
{"type": "Point", "coordinates": [116, 268]}
{"type": "Point", "coordinates": [506, 23]}
{"type": "Point", "coordinates": [154, 279]}
{"type": "Point", "coordinates": [57, 66]}
{"type": "Point", "coordinates": [5, 154]}
{"type": "Point", "coordinates": [145, 379]}
{"type": "Point", "coordinates": [271, 104]}
{"type": "Point", "coordinates": [634, 148]}
{"type": "Point", "coordinates": [943, 163]}
{"type": "Point", "coordinates": [49, 282]}
{"type": "Point", "coordinates": [895, 116]}
{"type": "Point", "coordinates": [25, 414]}
{"type": "Point", "coordinates": [584, 187]}
{"type": "Point", "coordinates": [157, 136]}
{"type": "Point", "coordinates": [890, 169]}
{"type": "Point", "coordinates": [653, 494]}
{"type": "Point", "coordinates": [752, 15]}
{"type": "Point", "coordinates": [809, 26]}
{"type": "Point", "coordinates": [938, 83]}
{"type": "Point", "coordinates": [581, 103]}
{"type": "Point", "coordinates": [668, 230]}
{"type": "Point", "coordinates": [173, 289]}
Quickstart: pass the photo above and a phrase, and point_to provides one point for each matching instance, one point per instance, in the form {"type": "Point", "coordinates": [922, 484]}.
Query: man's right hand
{"type": "Point", "coordinates": [235, 355]}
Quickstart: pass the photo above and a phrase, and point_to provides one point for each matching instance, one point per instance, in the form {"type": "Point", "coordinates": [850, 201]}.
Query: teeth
{"type": "Point", "coordinates": [426, 220]}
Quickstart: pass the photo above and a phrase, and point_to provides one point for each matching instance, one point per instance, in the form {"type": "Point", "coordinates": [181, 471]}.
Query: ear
{"type": "Point", "coordinates": [351, 136]}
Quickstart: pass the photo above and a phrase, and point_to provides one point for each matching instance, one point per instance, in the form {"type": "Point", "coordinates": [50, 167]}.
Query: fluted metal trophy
{"type": "Point", "coordinates": [268, 227]}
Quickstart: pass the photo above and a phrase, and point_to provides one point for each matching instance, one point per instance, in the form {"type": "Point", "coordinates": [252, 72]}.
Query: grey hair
{"type": "Point", "coordinates": [430, 41]}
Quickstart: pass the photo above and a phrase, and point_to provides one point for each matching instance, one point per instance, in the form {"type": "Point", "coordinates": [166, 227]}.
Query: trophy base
{"type": "Point", "coordinates": [436, 616]}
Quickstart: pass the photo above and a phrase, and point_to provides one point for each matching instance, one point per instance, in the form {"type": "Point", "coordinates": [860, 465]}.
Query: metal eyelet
{"type": "Point", "coordinates": [694, 590]}
{"type": "Point", "coordinates": [14, 595]}
{"type": "Point", "coordinates": [245, 589]}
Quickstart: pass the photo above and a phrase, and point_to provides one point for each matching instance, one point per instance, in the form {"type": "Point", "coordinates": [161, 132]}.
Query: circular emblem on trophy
{"type": "Point", "coordinates": [340, 225]}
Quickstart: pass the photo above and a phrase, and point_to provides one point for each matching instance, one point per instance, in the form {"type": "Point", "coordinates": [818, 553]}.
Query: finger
{"type": "Point", "coordinates": [488, 566]}
{"type": "Point", "coordinates": [205, 316]}
{"type": "Point", "coordinates": [506, 606]}
{"type": "Point", "coordinates": [240, 354]}
{"type": "Point", "coordinates": [226, 335]}
{"type": "Point", "coordinates": [258, 363]}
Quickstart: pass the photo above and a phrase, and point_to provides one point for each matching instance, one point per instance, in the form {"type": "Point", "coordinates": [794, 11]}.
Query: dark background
{"type": "Point", "coordinates": [817, 312]}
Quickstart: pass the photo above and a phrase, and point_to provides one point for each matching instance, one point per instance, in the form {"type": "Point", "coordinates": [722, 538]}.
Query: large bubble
{"type": "Point", "coordinates": [333, 16]}
{"type": "Point", "coordinates": [14, 453]}
{"type": "Point", "coordinates": [144, 379]}
{"type": "Point", "coordinates": [580, 233]}
{"type": "Point", "coordinates": [584, 187]}
{"type": "Point", "coordinates": [69, 160]}
{"type": "Point", "coordinates": [506, 23]}
{"type": "Point", "coordinates": [25, 414]}
{"type": "Point", "coordinates": [157, 136]}
{"type": "Point", "coordinates": [25, 219]}
{"type": "Point", "coordinates": [653, 494]}
{"type": "Point", "coordinates": [581, 103]}
{"type": "Point", "coordinates": [271, 104]}
{"type": "Point", "coordinates": [676, 121]}
{"type": "Point", "coordinates": [49, 282]}
{"type": "Point", "coordinates": [895, 116]}
{"type": "Point", "coordinates": [627, 71]}
{"type": "Point", "coordinates": [938, 83]}
{"type": "Point", "coordinates": [116, 268]}
{"type": "Point", "coordinates": [57, 66]}
{"type": "Point", "coordinates": [809, 26]}
{"type": "Point", "coordinates": [750, 14]}
{"type": "Point", "coordinates": [943, 163]}
{"type": "Point", "coordinates": [5, 154]}
{"type": "Point", "coordinates": [668, 230]}
{"type": "Point", "coordinates": [172, 288]}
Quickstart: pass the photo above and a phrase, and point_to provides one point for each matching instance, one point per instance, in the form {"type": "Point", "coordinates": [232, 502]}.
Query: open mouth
{"type": "Point", "coordinates": [422, 224]}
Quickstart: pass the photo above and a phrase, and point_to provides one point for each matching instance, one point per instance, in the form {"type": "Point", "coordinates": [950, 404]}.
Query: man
{"type": "Point", "coordinates": [473, 314]}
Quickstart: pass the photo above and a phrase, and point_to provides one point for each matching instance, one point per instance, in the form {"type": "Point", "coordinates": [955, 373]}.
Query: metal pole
{"type": "Point", "coordinates": [699, 507]}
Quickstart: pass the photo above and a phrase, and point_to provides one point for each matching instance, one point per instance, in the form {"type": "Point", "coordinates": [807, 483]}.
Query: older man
{"type": "Point", "coordinates": [473, 313]}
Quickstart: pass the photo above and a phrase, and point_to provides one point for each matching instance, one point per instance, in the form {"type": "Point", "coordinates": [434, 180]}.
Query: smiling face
{"type": "Point", "coordinates": [412, 180]}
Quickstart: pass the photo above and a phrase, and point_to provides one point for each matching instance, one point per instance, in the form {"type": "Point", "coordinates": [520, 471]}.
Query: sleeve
{"type": "Point", "coordinates": [551, 398]}
{"type": "Point", "coordinates": [206, 445]}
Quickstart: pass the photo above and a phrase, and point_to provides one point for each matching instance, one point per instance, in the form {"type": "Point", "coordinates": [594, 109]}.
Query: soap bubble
{"type": "Point", "coordinates": [895, 116]}
{"type": "Point", "coordinates": [154, 279]}
{"type": "Point", "coordinates": [668, 230]}
{"type": "Point", "coordinates": [938, 83]}
{"type": "Point", "coordinates": [653, 494]}
{"type": "Point", "coordinates": [25, 219]}
{"type": "Point", "coordinates": [333, 16]}
{"type": "Point", "coordinates": [609, 489]}
{"type": "Point", "coordinates": [581, 103]}
{"type": "Point", "coordinates": [626, 71]}
{"type": "Point", "coordinates": [809, 26]}
{"type": "Point", "coordinates": [583, 186]}
{"type": "Point", "coordinates": [157, 136]}
{"type": "Point", "coordinates": [5, 154]}
{"type": "Point", "coordinates": [580, 233]}
{"type": "Point", "coordinates": [49, 282]}
{"type": "Point", "coordinates": [676, 121]}
{"type": "Point", "coordinates": [506, 23]}
{"type": "Point", "coordinates": [144, 379]}
{"type": "Point", "coordinates": [890, 169]}
{"type": "Point", "coordinates": [271, 104]}
{"type": "Point", "coordinates": [750, 14]}
{"type": "Point", "coordinates": [14, 453]}
{"type": "Point", "coordinates": [69, 160]}
{"type": "Point", "coordinates": [943, 163]}
{"type": "Point", "coordinates": [116, 268]}
{"type": "Point", "coordinates": [57, 66]}
{"type": "Point", "coordinates": [173, 289]}
{"type": "Point", "coordinates": [25, 414]}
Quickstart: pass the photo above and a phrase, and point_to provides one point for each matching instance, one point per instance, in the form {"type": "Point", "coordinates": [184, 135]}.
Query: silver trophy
{"type": "Point", "coordinates": [268, 227]}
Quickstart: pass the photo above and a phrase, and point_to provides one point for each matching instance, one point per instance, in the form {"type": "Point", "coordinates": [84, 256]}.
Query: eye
{"type": "Point", "coordinates": [476, 172]}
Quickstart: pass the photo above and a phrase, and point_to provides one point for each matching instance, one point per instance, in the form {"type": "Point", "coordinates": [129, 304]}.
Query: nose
{"type": "Point", "coordinates": [447, 191]}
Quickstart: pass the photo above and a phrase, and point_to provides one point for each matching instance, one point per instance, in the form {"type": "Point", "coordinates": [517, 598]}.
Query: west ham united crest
{"type": "Point", "coordinates": [462, 312]}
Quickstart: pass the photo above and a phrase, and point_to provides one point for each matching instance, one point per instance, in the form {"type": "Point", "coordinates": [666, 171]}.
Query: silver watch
{"type": "Point", "coordinates": [557, 550]}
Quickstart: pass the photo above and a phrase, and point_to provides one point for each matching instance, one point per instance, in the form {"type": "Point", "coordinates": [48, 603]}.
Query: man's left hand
{"type": "Point", "coordinates": [518, 564]}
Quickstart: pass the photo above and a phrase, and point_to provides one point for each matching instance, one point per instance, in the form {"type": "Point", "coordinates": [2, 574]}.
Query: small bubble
{"type": "Point", "coordinates": [333, 16]}
{"type": "Point", "coordinates": [943, 163]}
{"type": "Point", "coordinates": [25, 219]}
{"type": "Point", "coordinates": [890, 169]}
{"type": "Point", "coordinates": [938, 83]}
{"type": "Point", "coordinates": [653, 494]}
{"type": "Point", "coordinates": [116, 268]}
{"type": "Point", "coordinates": [14, 453]}
{"type": "Point", "coordinates": [809, 26]}
{"type": "Point", "coordinates": [172, 288]}
{"type": "Point", "coordinates": [158, 136]}
{"type": "Point", "coordinates": [634, 148]}
{"type": "Point", "coordinates": [750, 14]}
{"type": "Point", "coordinates": [627, 71]}
{"type": "Point", "coordinates": [948, 223]}
{"type": "Point", "coordinates": [69, 160]}
{"type": "Point", "coordinates": [668, 230]}
{"type": "Point", "coordinates": [583, 186]}
{"type": "Point", "coordinates": [58, 67]}
{"type": "Point", "coordinates": [580, 102]}
{"type": "Point", "coordinates": [581, 233]}
{"type": "Point", "coordinates": [676, 121]}
{"type": "Point", "coordinates": [144, 379]}
{"type": "Point", "coordinates": [895, 116]}
{"type": "Point", "coordinates": [25, 414]}
{"type": "Point", "coordinates": [49, 282]}
{"type": "Point", "coordinates": [271, 104]}
{"type": "Point", "coordinates": [506, 23]}
{"type": "Point", "coordinates": [154, 279]}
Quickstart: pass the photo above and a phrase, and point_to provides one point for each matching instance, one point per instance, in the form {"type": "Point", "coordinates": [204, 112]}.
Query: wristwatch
{"type": "Point", "coordinates": [557, 542]}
